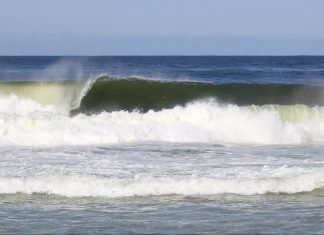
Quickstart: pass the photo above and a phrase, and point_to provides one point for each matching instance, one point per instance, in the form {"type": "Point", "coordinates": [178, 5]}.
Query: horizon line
{"type": "Point", "coordinates": [165, 55]}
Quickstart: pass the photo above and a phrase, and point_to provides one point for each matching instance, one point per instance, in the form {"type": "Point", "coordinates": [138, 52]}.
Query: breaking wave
{"type": "Point", "coordinates": [25, 122]}
{"type": "Point", "coordinates": [133, 110]}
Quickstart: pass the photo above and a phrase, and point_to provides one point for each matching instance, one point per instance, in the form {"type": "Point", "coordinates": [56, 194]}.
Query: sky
{"type": "Point", "coordinates": [162, 27]}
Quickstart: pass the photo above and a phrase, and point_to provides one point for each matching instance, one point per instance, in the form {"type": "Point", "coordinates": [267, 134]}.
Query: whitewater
{"type": "Point", "coordinates": [26, 123]}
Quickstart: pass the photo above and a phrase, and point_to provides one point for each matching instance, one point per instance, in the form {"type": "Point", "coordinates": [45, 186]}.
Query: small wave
{"type": "Point", "coordinates": [91, 186]}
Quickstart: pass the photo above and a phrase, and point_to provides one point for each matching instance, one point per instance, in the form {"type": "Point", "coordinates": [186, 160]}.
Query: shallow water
{"type": "Point", "coordinates": [146, 188]}
{"type": "Point", "coordinates": [297, 214]}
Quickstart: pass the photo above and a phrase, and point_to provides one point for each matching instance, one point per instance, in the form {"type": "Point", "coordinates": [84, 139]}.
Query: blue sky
{"type": "Point", "coordinates": [163, 27]}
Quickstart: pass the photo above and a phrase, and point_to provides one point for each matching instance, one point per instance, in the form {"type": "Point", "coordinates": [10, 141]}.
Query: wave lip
{"type": "Point", "coordinates": [91, 186]}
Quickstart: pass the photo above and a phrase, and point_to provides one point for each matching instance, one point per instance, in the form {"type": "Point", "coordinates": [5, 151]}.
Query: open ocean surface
{"type": "Point", "coordinates": [162, 145]}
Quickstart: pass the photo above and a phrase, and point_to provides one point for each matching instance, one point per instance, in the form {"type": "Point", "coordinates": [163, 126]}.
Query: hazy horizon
{"type": "Point", "coordinates": [144, 27]}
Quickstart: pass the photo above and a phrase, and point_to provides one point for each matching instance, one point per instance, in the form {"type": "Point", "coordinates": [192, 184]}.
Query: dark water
{"type": "Point", "coordinates": [223, 69]}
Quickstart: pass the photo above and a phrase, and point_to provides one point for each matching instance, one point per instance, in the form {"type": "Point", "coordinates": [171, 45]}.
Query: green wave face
{"type": "Point", "coordinates": [108, 94]}
{"type": "Point", "coordinates": [143, 95]}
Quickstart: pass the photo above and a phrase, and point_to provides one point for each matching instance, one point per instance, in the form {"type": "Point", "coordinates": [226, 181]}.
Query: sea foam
{"type": "Point", "coordinates": [25, 122]}
{"type": "Point", "coordinates": [73, 185]}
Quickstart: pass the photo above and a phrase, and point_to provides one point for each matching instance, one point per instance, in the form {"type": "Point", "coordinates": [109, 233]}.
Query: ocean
{"type": "Point", "coordinates": [162, 145]}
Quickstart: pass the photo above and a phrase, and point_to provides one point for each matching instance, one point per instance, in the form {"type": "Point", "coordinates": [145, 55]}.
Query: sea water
{"type": "Point", "coordinates": [195, 165]}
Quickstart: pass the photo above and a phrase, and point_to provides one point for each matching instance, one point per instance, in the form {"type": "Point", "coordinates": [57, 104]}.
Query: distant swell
{"type": "Point", "coordinates": [129, 94]}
